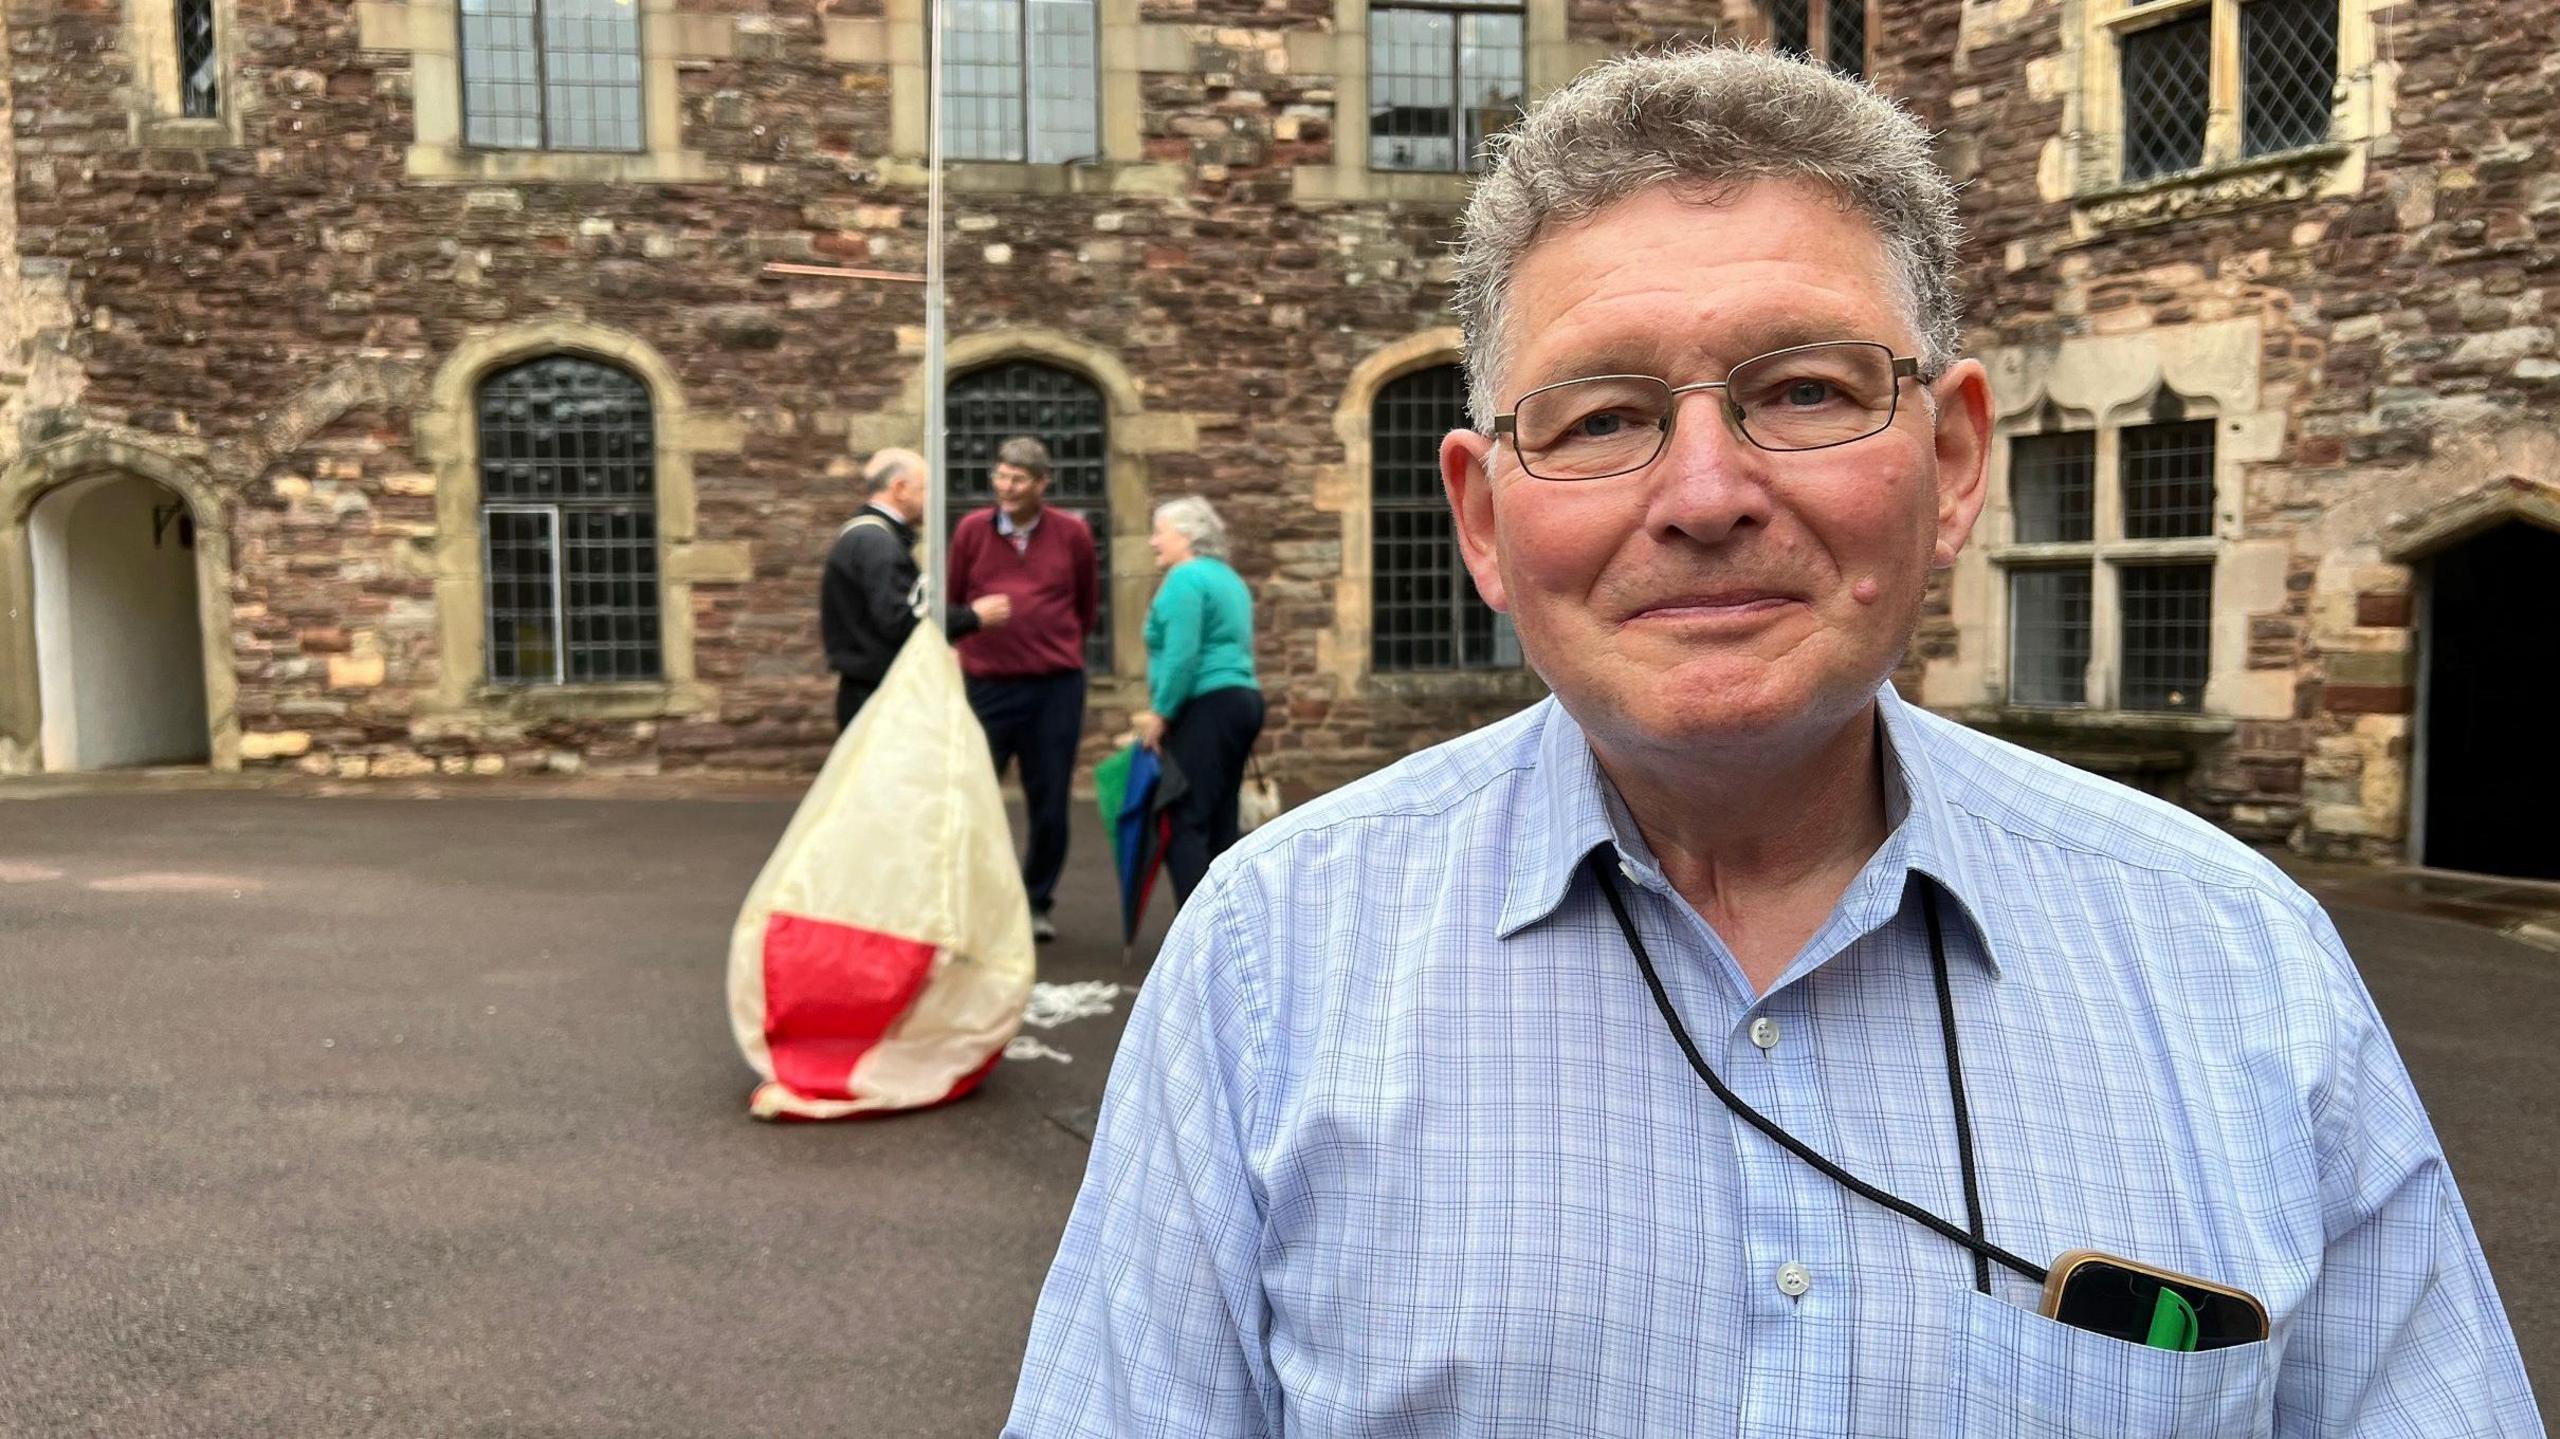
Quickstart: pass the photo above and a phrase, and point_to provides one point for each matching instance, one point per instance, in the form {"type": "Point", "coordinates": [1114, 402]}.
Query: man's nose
{"type": "Point", "coordinates": [1709, 482]}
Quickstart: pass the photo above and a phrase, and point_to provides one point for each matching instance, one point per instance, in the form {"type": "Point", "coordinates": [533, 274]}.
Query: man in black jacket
{"type": "Point", "coordinates": [866, 603]}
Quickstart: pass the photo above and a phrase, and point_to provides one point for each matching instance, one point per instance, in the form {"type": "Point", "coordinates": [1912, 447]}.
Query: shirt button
{"type": "Point", "coordinates": [1627, 867]}
{"type": "Point", "coordinates": [1764, 1032]}
{"type": "Point", "coordinates": [1794, 1279]}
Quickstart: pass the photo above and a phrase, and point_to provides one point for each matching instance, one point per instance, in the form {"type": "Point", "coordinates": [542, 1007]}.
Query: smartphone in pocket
{"type": "Point", "coordinates": [2145, 1304]}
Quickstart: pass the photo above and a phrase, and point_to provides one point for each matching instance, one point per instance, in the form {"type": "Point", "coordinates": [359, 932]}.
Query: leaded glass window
{"type": "Point", "coordinates": [2288, 73]}
{"type": "Point", "coordinates": [2168, 630]}
{"type": "Point", "coordinates": [1831, 31]}
{"type": "Point", "coordinates": [2168, 481]}
{"type": "Point", "coordinates": [1424, 610]}
{"type": "Point", "coordinates": [2168, 85]}
{"type": "Point", "coordinates": [1442, 79]}
{"type": "Point", "coordinates": [551, 74]}
{"type": "Point", "coordinates": [1845, 31]}
{"type": "Point", "coordinates": [2052, 487]}
{"type": "Point", "coordinates": [199, 67]}
{"type": "Point", "coordinates": [2142, 545]}
{"type": "Point", "coordinates": [2049, 636]}
{"type": "Point", "coordinates": [568, 495]}
{"type": "Point", "coordinates": [1791, 26]}
{"type": "Point", "coordinates": [1023, 82]}
{"type": "Point", "coordinates": [1064, 411]}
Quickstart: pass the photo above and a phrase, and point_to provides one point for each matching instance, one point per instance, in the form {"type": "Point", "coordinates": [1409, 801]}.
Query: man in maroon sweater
{"type": "Point", "coordinates": [1026, 680]}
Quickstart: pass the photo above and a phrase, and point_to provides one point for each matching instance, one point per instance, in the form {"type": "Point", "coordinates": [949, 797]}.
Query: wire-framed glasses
{"type": "Point", "coordinates": [1810, 397]}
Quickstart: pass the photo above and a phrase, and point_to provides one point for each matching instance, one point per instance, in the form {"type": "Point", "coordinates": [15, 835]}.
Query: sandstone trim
{"type": "Point", "coordinates": [430, 31]}
{"type": "Point", "coordinates": [448, 440]}
{"type": "Point", "coordinates": [82, 457]}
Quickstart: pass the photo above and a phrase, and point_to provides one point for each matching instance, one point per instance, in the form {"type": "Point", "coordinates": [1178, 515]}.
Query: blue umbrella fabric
{"type": "Point", "coordinates": [1136, 789]}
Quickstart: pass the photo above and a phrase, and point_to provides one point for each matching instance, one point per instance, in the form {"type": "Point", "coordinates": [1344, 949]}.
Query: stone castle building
{"type": "Point", "coordinates": [397, 386]}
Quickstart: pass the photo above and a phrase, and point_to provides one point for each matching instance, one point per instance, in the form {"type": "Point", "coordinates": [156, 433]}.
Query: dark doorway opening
{"type": "Point", "coordinates": [2493, 667]}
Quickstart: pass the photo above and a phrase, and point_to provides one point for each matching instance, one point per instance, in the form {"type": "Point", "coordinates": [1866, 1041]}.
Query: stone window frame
{"type": "Point", "coordinates": [448, 441]}
{"type": "Point", "coordinates": [1343, 53]}
{"type": "Point", "coordinates": [2109, 383]}
{"type": "Point", "coordinates": [2084, 163]}
{"type": "Point", "coordinates": [157, 109]}
{"type": "Point", "coordinates": [1344, 648]}
{"type": "Point", "coordinates": [1763, 30]}
{"type": "Point", "coordinates": [68, 462]}
{"type": "Point", "coordinates": [898, 40]}
{"type": "Point", "coordinates": [430, 33]}
{"type": "Point", "coordinates": [1464, 160]}
{"type": "Point", "coordinates": [1137, 435]}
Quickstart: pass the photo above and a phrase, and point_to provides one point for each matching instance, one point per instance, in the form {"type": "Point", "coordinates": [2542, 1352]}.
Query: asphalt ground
{"type": "Point", "coordinates": [421, 1116]}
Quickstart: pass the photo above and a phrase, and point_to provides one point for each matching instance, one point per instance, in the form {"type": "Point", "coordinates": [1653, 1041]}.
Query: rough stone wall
{"type": "Point", "coordinates": [2399, 322]}
{"type": "Point", "coordinates": [218, 299]}
{"type": "Point", "coordinates": [279, 308]}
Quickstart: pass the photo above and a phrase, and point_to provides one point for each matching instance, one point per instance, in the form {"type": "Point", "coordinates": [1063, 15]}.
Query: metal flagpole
{"type": "Point", "coordinates": [937, 540]}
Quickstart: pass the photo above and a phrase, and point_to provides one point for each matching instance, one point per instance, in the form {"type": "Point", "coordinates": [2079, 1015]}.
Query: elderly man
{"type": "Point", "coordinates": [867, 595]}
{"type": "Point", "coordinates": [1413, 1130]}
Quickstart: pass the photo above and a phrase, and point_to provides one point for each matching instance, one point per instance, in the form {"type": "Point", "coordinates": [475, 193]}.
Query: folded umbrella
{"type": "Point", "coordinates": [1136, 790]}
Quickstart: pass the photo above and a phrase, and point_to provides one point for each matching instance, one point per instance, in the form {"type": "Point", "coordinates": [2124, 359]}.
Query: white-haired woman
{"type": "Point", "coordinates": [1207, 709]}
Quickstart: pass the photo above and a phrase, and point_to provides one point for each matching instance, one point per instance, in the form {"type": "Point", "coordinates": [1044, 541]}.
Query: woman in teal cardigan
{"type": "Point", "coordinates": [1207, 710]}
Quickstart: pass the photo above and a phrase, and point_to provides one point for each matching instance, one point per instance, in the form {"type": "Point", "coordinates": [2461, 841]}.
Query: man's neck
{"type": "Point", "coordinates": [1761, 842]}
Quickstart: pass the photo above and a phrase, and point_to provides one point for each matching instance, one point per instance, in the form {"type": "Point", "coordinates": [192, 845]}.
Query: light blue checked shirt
{"type": "Point", "coordinates": [1397, 1143]}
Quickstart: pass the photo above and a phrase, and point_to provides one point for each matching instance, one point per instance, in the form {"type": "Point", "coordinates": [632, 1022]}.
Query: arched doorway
{"type": "Point", "coordinates": [119, 637]}
{"type": "Point", "coordinates": [2489, 784]}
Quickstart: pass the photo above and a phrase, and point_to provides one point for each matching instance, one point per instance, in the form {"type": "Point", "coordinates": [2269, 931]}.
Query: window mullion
{"type": "Point", "coordinates": [542, 72]}
{"type": "Point", "coordinates": [2222, 114]}
{"type": "Point", "coordinates": [559, 598]}
{"type": "Point", "coordinates": [2106, 623]}
{"type": "Point", "coordinates": [1458, 156]}
{"type": "Point", "coordinates": [1029, 83]}
{"type": "Point", "coordinates": [1817, 30]}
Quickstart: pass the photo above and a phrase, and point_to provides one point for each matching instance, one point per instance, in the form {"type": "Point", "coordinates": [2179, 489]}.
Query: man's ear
{"type": "Point", "coordinates": [1466, 459]}
{"type": "Point", "coordinates": [1964, 455]}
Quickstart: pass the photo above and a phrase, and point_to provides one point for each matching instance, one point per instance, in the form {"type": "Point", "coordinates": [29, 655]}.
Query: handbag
{"type": "Point", "coordinates": [1258, 802]}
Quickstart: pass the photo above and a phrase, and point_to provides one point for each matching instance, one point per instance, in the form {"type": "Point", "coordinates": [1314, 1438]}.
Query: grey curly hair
{"type": "Point", "coordinates": [1711, 117]}
{"type": "Point", "coordinates": [1196, 520]}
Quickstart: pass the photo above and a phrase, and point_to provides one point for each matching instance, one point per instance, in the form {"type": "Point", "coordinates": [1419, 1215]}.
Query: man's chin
{"type": "Point", "coordinates": [1712, 705]}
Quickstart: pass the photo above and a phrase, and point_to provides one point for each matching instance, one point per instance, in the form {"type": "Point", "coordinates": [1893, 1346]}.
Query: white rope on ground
{"type": "Point", "coordinates": [1056, 1004]}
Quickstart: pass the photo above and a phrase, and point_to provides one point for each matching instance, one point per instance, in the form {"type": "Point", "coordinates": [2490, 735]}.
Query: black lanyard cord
{"type": "Point", "coordinates": [1984, 1251]}
{"type": "Point", "coordinates": [1955, 1087]}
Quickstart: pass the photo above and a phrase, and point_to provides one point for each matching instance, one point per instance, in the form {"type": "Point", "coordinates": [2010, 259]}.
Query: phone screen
{"type": "Point", "coordinates": [2125, 1304]}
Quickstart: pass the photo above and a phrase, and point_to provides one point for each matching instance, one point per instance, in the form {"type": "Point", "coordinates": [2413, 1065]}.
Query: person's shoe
{"type": "Point", "coordinates": [1042, 931]}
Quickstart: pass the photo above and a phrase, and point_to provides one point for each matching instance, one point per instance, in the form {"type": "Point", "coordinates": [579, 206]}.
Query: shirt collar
{"type": "Point", "coordinates": [1572, 810]}
{"type": "Point", "coordinates": [1007, 528]}
{"type": "Point", "coordinates": [886, 513]}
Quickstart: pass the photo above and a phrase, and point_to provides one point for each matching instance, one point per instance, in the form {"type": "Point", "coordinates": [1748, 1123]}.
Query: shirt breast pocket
{"type": "Point", "coordinates": [2019, 1375]}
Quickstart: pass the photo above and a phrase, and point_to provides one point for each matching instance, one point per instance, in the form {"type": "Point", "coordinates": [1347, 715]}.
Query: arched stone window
{"type": "Point", "coordinates": [568, 515]}
{"type": "Point", "coordinates": [1424, 610]}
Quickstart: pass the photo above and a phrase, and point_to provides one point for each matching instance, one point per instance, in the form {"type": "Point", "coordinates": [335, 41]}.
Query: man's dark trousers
{"type": "Point", "coordinates": [851, 695]}
{"type": "Point", "coordinates": [1039, 722]}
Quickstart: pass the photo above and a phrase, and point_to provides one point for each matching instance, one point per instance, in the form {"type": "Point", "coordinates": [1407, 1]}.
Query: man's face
{"type": "Point", "coordinates": [1724, 595]}
{"type": "Point", "coordinates": [1019, 492]}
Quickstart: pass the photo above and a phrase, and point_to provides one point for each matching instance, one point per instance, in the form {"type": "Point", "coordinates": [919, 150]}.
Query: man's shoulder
{"type": "Point", "coordinates": [1425, 790]}
{"type": "Point", "coordinates": [866, 533]}
{"type": "Point", "coordinates": [1069, 523]}
{"type": "Point", "coordinates": [975, 524]}
{"type": "Point", "coordinates": [2011, 796]}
